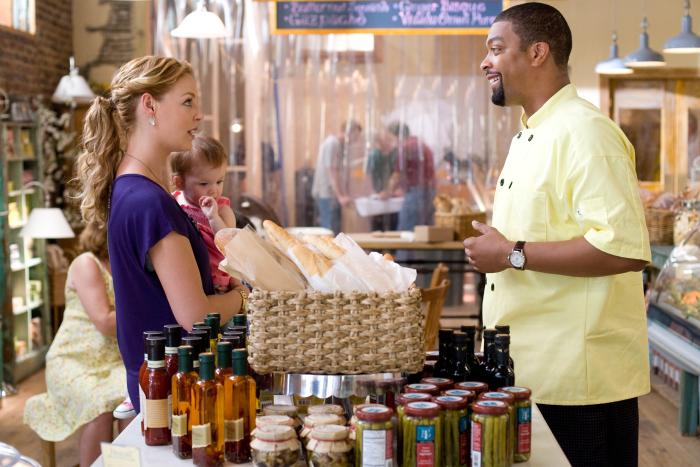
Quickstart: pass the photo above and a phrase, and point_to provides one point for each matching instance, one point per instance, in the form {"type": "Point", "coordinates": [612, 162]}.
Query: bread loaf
{"type": "Point", "coordinates": [312, 264]}
{"type": "Point", "coordinates": [279, 236]}
{"type": "Point", "coordinates": [325, 245]}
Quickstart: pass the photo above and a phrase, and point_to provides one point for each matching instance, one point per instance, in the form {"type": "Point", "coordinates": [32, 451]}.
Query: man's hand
{"type": "Point", "coordinates": [488, 252]}
{"type": "Point", "coordinates": [209, 207]}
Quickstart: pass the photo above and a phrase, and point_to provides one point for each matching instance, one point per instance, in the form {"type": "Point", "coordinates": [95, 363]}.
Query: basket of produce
{"type": "Point", "coordinates": [322, 305]}
{"type": "Point", "coordinates": [454, 213]}
{"type": "Point", "coordinates": [660, 225]}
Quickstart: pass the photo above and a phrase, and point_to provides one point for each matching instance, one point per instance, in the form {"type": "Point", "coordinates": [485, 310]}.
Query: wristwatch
{"type": "Point", "coordinates": [517, 257]}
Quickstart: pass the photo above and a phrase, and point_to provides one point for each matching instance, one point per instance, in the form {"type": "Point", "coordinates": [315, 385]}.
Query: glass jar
{"type": "Point", "coordinates": [312, 421]}
{"type": "Point", "coordinates": [287, 410]}
{"type": "Point", "coordinates": [489, 447]}
{"type": "Point", "coordinates": [455, 431]}
{"type": "Point", "coordinates": [332, 409]}
{"type": "Point", "coordinates": [422, 435]}
{"type": "Point", "coordinates": [523, 419]}
{"type": "Point", "coordinates": [477, 387]}
{"type": "Point", "coordinates": [686, 218]}
{"type": "Point", "coordinates": [509, 400]}
{"type": "Point", "coordinates": [430, 389]}
{"type": "Point", "coordinates": [274, 420]}
{"type": "Point", "coordinates": [443, 384]}
{"type": "Point", "coordinates": [375, 443]}
{"type": "Point", "coordinates": [470, 396]}
{"type": "Point", "coordinates": [329, 447]}
{"type": "Point", "coordinates": [275, 446]}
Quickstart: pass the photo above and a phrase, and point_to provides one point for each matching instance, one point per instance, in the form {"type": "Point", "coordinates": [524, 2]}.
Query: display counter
{"type": "Point", "coordinates": [545, 450]}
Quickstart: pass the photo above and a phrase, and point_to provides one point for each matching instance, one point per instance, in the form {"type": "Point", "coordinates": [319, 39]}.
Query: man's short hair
{"type": "Point", "coordinates": [537, 22]}
{"type": "Point", "coordinates": [399, 129]}
{"type": "Point", "coordinates": [350, 126]}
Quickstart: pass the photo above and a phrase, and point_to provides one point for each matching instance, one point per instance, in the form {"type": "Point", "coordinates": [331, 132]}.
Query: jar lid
{"type": "Point", "coordinates": [319, 419]}
{"type": "Point", "coordinates": [288, 410]}
{"type": "Point", "coordinates": [413, 397]}
{"type": "Point", "coordinates": [497, 396]}
{"type": "Point", "coordinates": [520, 393]}
{"type": "Point", "coordinates": [329, 433]}
{"type": "Point", "coordinates": [441, 383]}
{"type": "Point", "coordinates": [490, 407]}
{"type": "Point", "coordinates": [326, 409]}
{"type": "Point", "coordinates": [422, 409]}
{"type": "Point", "coordinates": [274, 433]}
{"type": "Point", "coordinates": [475, 386]}
{"type": "Point", "coordinates": [374, 413]}
{"type": "Point", "coordinates": [393, 385]}
{"type": "Point", "coordinates": [432, 355]}
{"type": "Point", "coordinates": [424, 388]}
{"type": "Point", "coordinates": [451, 402]}
{"type": "Point", "coordinates": [274, 420]}
{"type": "Point", "coordinates": [463, 393]}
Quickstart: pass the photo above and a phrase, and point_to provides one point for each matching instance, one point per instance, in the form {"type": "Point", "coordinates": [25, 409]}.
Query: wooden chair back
{"type": "Point", "coordinates": [433, 298]}
{"type": "Point", "coordinates": [439, 274]}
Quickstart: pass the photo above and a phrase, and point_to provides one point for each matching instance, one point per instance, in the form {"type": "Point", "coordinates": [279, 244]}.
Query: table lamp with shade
{"type": "Point", "coordinates": [46, 222]}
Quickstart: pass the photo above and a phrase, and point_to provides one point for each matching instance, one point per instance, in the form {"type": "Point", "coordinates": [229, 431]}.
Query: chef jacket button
{"type": "Point", "coordinates": [511, 184]}
{"type": "Point", "coordinates": [530, 138]}
{"type": "Point", "coordinates": [492, 287]}
{"type": "Point", "coordinates": [520, 134]}
{"type": "Point", "coordinates": [502, 182]}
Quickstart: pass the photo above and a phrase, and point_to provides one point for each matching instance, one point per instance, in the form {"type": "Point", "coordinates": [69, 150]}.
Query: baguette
{"type": "Point", "coordinates": [279, 236]}
{"type": "Point", "coordinates": [312, 264]}
{"type": "Point", "coordinates": [325, 245]}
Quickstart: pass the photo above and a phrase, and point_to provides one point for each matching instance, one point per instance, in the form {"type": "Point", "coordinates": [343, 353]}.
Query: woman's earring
{"type": "Point", "coordinates": [152, 121]}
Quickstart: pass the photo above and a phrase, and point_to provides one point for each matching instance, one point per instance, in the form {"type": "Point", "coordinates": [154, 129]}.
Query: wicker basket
{"type": "Point", "coordinates": [460, 223]}
{"type": "Point", "coordinates": [660, 225]}
{"type": "Point", "coordinates": [311, 332]}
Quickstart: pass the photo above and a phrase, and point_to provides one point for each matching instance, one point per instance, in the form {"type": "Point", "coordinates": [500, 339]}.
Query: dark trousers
{"type": "Point", "coordinates": [598, 435]}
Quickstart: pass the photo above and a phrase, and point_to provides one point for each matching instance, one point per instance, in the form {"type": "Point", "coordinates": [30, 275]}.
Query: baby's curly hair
{"type": "Point", "coordinates": [204, 150]}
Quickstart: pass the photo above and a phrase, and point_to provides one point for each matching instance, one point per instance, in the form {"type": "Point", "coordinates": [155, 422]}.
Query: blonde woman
{"type": "Point", "coordinates": [159, 261]}
{"type": "Point", "coordinates": [85, 376]}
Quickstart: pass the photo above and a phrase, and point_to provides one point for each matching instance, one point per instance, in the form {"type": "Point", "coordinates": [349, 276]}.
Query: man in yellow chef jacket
{"type": "Point", "coordinates": [568, 241]}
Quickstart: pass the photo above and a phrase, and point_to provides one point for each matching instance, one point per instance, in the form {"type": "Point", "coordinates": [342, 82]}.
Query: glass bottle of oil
{"type": "Point", "coordinates": [182, 383]}
{"type": "Point", "coordinates": [239, 410]}
{"type": "Point", "coordinates": [207, 415]}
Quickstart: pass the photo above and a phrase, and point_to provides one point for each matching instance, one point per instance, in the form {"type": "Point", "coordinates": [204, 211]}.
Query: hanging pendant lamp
{"type": "Point", "coordinates": [200, 24]}
{"type": "Point", "coordinates": [614, 65]}
{"type": "Point", "coordinates": [644, 56]}
{"type": "Point", "coordinates": [687, 42]}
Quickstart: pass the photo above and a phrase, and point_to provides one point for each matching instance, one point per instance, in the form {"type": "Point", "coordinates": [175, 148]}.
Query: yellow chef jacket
{"type": "Point", "coordinates": [569, 173]}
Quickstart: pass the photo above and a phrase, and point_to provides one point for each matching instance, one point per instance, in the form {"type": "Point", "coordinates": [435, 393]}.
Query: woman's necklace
{"type": "Point", "coordinates": [157, 179]}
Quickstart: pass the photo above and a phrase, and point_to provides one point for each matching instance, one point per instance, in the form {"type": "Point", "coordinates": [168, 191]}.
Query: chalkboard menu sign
{"type": "Point", "coordinates": [385, 16]}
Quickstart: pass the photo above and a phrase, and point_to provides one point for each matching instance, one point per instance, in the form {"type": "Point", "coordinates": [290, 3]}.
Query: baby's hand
{"type": "Point", "coordinates": [209, 206]}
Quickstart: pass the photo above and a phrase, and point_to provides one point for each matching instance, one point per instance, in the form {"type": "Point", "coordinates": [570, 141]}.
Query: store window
{"type": "Point", "coordinates": [18, 14]}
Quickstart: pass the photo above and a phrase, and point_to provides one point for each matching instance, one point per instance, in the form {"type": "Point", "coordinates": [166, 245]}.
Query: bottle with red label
{"type": "Point", "coordinates": [523, 421]}
{"type": "Point", "coordinates": [455, 431]}
{"type": "Point", "coordinates": [422, 435]}
{"type": "Point", "coordinates": [142, 371]}
{"type": "Point", "coordinates": [374, 436]}
{"type": "Point", "coordinates": [489, 447]}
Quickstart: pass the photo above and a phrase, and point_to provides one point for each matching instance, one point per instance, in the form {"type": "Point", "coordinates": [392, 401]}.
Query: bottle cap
{"type": "Point", "coordinates": [460, 338]}
{"type": "Point", "coordinates": [203, 327]}
{"type": "Point", "coordinates": [490, 407]}
{"type": "Point", "coordinates": [463, 393]}
{"type": "Point", "coordinates": [173, 335]}
{"type": "Point", "coordinates": [490, 333]}
{"type": "Point", "coordinates": [468, 329]}
{"type": "Point", "coordinates": [503, 328]}
{"type": "Point", "coordinates": [497, 396]}
{"type": "Point", "coordinates": [404, 399]}
{"type": "Point", "coordinates": [502, 340]}
{"type": "Point", "coordinates": [213, 323]}
{"type": "Point", "coordinates": [223, 354]}
{"type": "Point", "coordinates": [206, 366]}
{"type": "Point", "coordinates": [422, 409]}
{"type": "Point", "coordinates": [374, 413]}
{"type": "Point", "coordinates": [146, 335]}
{"type": "Point", "coordinates": [520, 393]}
{"type": "Point", "coordinates": [445, 335]}
{"type": "Point", "coordinates": [155, 348]}
{"type": "Point", "coordinates": [194, 342]}
{"type": "Point", "coordinates": [451, 402]}
{"type": "Point", "coordinates": [240, 320]}
{"type": "Point", "coordinates": [184, 358]}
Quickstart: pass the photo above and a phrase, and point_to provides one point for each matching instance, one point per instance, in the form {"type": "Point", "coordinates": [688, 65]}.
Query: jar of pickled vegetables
{"type": "Point", "coordinates": [463, 393]}
{"type": "Point", "coordinates": [489, 428]}
{"type": "Point", "coordinates": [329, 447]}
{"type": "Point", "coordinates": [312, 421]}
{"type": "Point", "coordinates": [275, 446]}
{"type": "Point", "coordinates": [523, 420]}
{"type": "Point", "coordinates": [375, 443]}
{"type": "Point", "coordinates": [274, 420]}
{"type": "Point", "coordinates": [455, 431]}
{"type": "Point", "coordinates": [443, 384]}
{"type": "Point", "coordinates": [402, 400]}
{"type": "Point", "coordinates": [510, 401]}
{"type": "Point", "coordinates": [287, 410]}
{"type": "Point", "coordinates": [422, 435]}
{"type": "Point", "coordinates": [430, 389]}
{"type": "Point", "coordinates": [476, 387]}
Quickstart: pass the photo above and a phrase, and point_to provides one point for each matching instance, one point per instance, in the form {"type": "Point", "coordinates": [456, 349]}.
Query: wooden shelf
{"type": "Point", "coordinates": [21, 159]}
{"type": "Point", "coordinates": [16, 193]}
{"type": "Point", "coordinates": [31, 262]}
{"type": "Point", "coordinates": [28, 307]}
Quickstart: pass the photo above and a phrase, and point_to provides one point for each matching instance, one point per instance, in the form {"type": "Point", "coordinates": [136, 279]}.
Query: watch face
{"type": "Point", "coordinates": [517, 259]}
